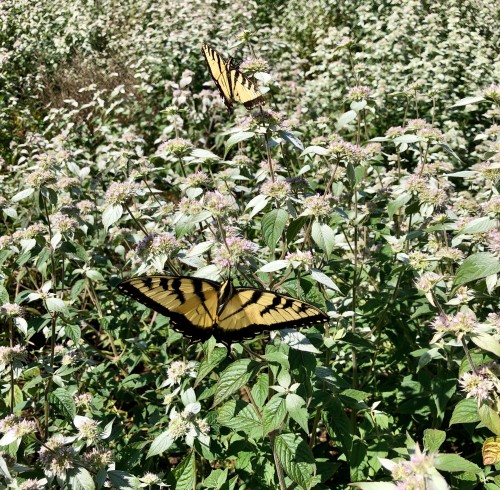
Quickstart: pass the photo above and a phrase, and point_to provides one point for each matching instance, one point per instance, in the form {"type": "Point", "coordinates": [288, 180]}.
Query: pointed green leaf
{"type": "Point", "coordinates": [111, 215]}
{"type": "Point", "coordinates": [296, 458]}
{"type": "Point", "coordinates": [233, 378]}
{"type": "Point", "coordinates": [160, 444]}
{"type": "Point", "coordinates": [64, 402]}
{"type": "Point", "coordinates": [465, 412]}
{"type": "Point", "coordinates": [433, 439]}
{"type": "Point", "coordinates": [274, 414]}
{"type": "Point", "coordinates": [323, 236]}
{"type": "Point", "coordinates": [236, 138]}
{"type": "Point", "coordinates": [477, 266]}
{"type": "Point", "coordinates": [273, 224]}
{"type": "Point", "coordinates": [184, 473]}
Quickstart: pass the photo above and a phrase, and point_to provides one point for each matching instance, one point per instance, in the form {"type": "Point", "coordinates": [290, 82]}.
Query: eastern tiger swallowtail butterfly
{"type": "Point", "coordinates": [233, 85]}
{"type": "Point", "coordinates": [199, 308]}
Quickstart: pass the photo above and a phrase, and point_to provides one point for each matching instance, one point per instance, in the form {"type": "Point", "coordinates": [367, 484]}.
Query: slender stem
{"type": "Point", "coordinates": [279, 468]}
{"type": "Point", "coordinates": [136, 221]}
{"type": "Point", "coordinates": [269, 159]}
{"type": "Point", "coordinates": [469, 358]}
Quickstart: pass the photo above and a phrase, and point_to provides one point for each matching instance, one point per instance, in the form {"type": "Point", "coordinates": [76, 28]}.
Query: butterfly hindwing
{"type": "Point", "coordinates": [232, 84]}
{"type": "Point", "coordinates": [250, 311]}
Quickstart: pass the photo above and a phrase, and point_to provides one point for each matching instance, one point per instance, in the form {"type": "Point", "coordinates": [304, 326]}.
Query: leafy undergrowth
{"type": "Point", "coordinates": [367, 186]}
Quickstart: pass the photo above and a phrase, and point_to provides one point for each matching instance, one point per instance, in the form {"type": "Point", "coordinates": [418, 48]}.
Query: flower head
{"type": "Point", "coordinates": [56, 457]}
{"type": "Point", "coordinates": [279, 189]}
{"type": "Point", "coordinates": [179, 370]}
{"type": "Point", "coordinates": [179, 147]}
{"type": "Point", "coordinates": [121, 192]}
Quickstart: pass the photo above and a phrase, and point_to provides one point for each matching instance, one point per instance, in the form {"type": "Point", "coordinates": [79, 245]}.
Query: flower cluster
{"type": "Point", "coordinates": [186, 424]}
{"type": "Point", "coordinates": [233, 251]}
{"type": "Point", "coordinates": [359, 92]}
{"type": "Point", "coordinates": [178, 147]}
{"type": "Point", "coordinates": [415, 474]}
{"type": "Point", "coordinates": [12, 309]}
{"type": "Point", "coordinates": [300, 259]}
{"type": "Point", "coordinates": [218, 204]}
{"type": "Point", "coordinates": [97, 458]}
{"type": "Point", "coordinates": [156, 245]}
{"type": "Point", "coordinates": [179, 370]}
{"type": "Point", "coordinates": [458, 325]}
{"type": "Point", "coordinates": [12, 355]}
{"type": "Point", "coordinates": [279, 189]}
{"type": "Point", "coordinates": [63, 223]}
{"type": "Point", "coordinates": [121, 192]}
{"type": "Point", "coordinates": [254, 65]}
{"type": "Point", "coordinates": [317, 206]}
{"type": "Point", "coordinates": [57, 457]}
{"type": "Point", "coordinates": [40, 178]}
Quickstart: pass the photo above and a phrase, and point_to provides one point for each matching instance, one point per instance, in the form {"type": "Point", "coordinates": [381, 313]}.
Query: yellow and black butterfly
{"type": "Point", "coordinates": [233, 85]}
{"type": "Point", "coordinates": [200, 308]}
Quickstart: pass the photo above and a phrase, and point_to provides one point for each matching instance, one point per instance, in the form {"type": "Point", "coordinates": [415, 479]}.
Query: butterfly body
{"type": "Point", "coordinates": [200, 308]}
{"type": "Point", "coordinates": [233, 85]}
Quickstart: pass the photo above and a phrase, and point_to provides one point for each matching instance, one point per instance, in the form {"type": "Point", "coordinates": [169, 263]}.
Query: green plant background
{"type": "Point", "coordinates": [387, 112]}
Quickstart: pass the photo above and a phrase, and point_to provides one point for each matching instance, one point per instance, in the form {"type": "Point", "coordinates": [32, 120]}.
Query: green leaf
{"type": "Point", "coordinates": [216, 479]}
{"type": "Point", "coordinates": [233, 378]}
{"type": "Point", "coordinates": [397, 203]}
{"type": "Point", "coordinates": [273, 224]}
{"type": "Point", "coordinates": [479, 225]}
{"type": "Point", "coordinates": [241, 416]}
{"type": "Point", "coordinates": [465, 412]}
{"type": "Point", "coordinates": [80, 479]}
{"type": "Point", "coordinates": [64, 402]}
{"type": "Point", "coordinates": [122, 480]}
{"type": "Point", "coordinates": [455, 463]}
{"type": "Point", "coordinates": [55, 304]}
{"type": "Point", "coordinates": [209, 363]}
{"type": "Point", "coordinates": [487, 342]}
{"type": "Point", "coordinates": [323, 279]}
{"type": "Point", "coordinates": [260, 389]}
{"type": "Point", "coordinates": [184, 474]}
{"type": "Point", "coordinates": [345, 119]}
{"type": "Point", "coordinates": [111, 215]}
{"type": "Point", "coordinates": [22, 195]}
{"type": "Point", "coordinates": [296, 458]}
{"type": "Point", "coordinates": [291, 138]}
{"type": "Point", "coordinates": [490, 418]}
{"type": "Point", "coordinates": [160, 444]}
{"type": "Point", "coordinates": [73, 332]}
{"type": "Point", "coordinates": [315, 150]}
{"type": "Point", "coordinates": [468, 100]}
{"type": "Point", "coordinates": [295, 406]}
{"type": "Point", "coordinates": [323, 236]}
{"type": "Point", "coordinates": [433, 439]}
{"type": "Point", "coordinates": [274, 414]}
{"type": "Point", "coordinates": [374, 485]}
{"type": "Point", "coordinates": [477, 266]}
{"type": "Point", "coordinates": [237, 138]}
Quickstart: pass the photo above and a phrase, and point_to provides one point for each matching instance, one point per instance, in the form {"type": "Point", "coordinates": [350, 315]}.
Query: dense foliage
{"type": "Point", "coordinates": [368, 186]}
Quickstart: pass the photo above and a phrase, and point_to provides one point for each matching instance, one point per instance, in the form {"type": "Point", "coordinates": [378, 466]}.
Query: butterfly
{"type": "Point", "coordinates": [233, 85]}
{"type": "Point", "coordinates": [200, 308]}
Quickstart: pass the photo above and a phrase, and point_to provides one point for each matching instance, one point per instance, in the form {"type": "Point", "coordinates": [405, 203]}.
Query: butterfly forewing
{"type": "Point", "coordinates": [186, 300]}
